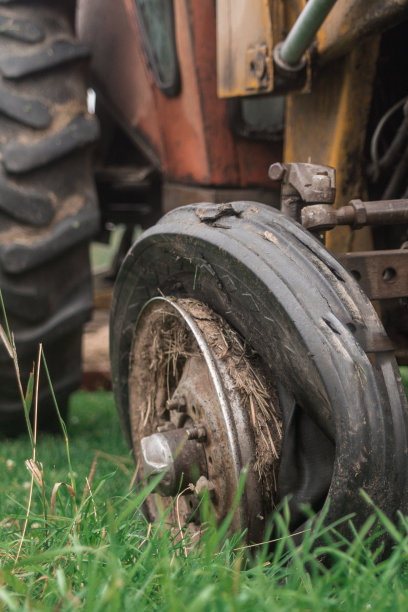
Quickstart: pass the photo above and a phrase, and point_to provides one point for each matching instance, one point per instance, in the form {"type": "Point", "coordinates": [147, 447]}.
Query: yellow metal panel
{"type": "Point", "coordinates": [244, 47]}
{"type": "Point", "coordinates": [328, 126]}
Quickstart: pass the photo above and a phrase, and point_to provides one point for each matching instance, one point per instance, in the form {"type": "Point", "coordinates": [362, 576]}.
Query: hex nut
{"type": "Point", "coordinates": [360, 214]}
{"type": "Point", "coordinates": [177, 403]}
{"type": "Point", "coordinates": [198, 432]}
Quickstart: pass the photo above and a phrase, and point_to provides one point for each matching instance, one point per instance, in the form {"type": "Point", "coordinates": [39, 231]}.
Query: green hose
{"type": "Point", "coordinates": [304, 30]}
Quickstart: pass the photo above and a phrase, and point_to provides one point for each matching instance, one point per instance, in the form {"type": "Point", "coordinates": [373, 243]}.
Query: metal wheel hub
{"type": "Point", "coordinates": [201, 411]}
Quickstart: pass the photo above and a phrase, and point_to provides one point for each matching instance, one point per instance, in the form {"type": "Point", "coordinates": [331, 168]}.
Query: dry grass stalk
{"type": "Point", "coordinates": [6, 342]}
{"type": "Point", "coordinates": [46, 580]}
{"type": "Point", "coordinates": [90, 478]}
{"type": "Point", "coordinates": [89, 492]}
{"type": "Point", "coordinates": [135, 473]}
{"type": "Point", "coordinates": [117, 460]}
{"type": "Point", "coordinates": [149, 529]}
{"type": "Point", "coordinates": [55, 489]}
{"type": "Point", "coordinates": [291, 535]}
{"type": "Point", "coordinates": [180, 533]}
{"type": "Point", "coordinates": [36, 471]}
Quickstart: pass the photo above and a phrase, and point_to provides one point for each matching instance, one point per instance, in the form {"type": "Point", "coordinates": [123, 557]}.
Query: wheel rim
{"type": "Point", "coordinates": [204, 384]}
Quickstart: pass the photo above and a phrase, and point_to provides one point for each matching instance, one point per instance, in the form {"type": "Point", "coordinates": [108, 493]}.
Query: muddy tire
{"type": "Point", "coordinates": [48, 207]}
{"type": "Point", "coordinates": [343, 408]}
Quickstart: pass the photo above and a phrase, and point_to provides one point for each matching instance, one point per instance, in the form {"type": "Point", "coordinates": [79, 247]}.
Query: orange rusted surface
{"type": "Point", "coordinates": [233, 160]}
{"type": "Point", "coordinates": [188, 134]}
{"type": "Point", "coordinates": [180, 117]}
{"type": "Point", "coordinates": [118, 64]}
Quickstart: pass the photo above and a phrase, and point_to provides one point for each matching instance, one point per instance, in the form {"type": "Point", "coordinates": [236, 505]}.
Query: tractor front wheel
{"type": "Point", "coordinates": [239, 341]}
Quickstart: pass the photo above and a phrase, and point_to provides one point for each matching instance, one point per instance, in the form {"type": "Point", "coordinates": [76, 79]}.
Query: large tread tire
{"type": "Point", "coordinates": [344, 411]}
{"type": "Point", "coordinates": [48, 205]}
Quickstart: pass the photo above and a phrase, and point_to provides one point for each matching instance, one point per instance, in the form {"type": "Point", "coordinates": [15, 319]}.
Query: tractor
{"type": "Point", "coordinates": [258, 322]}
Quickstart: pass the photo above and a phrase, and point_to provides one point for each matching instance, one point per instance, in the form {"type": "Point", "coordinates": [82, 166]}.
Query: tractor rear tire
{"type": "Point", "coordinates": [48, 205]}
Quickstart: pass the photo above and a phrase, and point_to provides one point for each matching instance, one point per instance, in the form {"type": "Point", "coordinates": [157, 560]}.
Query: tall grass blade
{"type": "Point", "coordinates": [5, 316]}
{"type": "Point", "coordinates": [28, 400]}
{"type": "Point", "coordinates": [61, 421]}
{"type": "Point", "coordinates": [57, 485]}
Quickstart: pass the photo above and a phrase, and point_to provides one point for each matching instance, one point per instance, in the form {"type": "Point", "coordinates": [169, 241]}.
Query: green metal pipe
{"type": "Point", "coordinates": [304, 30]}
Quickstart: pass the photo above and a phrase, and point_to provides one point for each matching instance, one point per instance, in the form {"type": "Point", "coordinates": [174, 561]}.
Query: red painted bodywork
{"type": "Point", "coordinates": [190, 133]}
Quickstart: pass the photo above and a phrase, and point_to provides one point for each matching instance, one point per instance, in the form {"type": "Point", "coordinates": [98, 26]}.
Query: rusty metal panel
{"type": "Point", "coordinates": [188, 136]}
{"type": "Point", "coordinates": [381, 274]}
{"type": "Point", "coordinates": [244, 47]}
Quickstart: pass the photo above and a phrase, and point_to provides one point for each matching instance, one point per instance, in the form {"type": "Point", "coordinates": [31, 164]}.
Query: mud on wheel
{"type": "Point", "coordinates": [48, 209]}
{"type": "Point", "coordinates": [235, 329]}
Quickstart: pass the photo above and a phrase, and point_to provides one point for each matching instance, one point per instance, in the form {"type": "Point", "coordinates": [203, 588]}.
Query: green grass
{"type": "Point", "coordinates": [92, 427]}
{"type": "Point", "coordinates": [103, 555]}
{"type": "Point", "coordinates": [102, 253]}
{"type": "Point", "coordinates": [404, 376]}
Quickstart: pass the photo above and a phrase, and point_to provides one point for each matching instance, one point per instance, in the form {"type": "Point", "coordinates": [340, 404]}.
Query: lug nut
{"type": "Point", "coordinates": [177, 403]}
{"type": "Point", "coordinates": [202, 485]}
{"type": "Point", "coordinates": [198, 432]}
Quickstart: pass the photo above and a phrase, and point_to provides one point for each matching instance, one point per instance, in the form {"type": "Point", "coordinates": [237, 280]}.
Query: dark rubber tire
{"type": "Point", "coordinates": [48, 205]}
{"type": "Point", "coordinates": [344, 409]}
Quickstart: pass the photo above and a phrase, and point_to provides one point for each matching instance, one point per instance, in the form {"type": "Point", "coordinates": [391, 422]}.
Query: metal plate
{"type": "Point", "coordinates": [381, 274]}
{"type": "Point", "coordinates": [244, 47]}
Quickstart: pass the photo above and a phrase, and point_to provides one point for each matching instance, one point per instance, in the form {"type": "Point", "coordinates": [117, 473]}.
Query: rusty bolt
{"type": "Point", "coordinates": [177, 403]}
{"type": "Point", "coordinates": [276, 171]}
{"type": "Point", "coordinates": [198, 432]}
{"type": "Point", "coordinates": [260, 65]}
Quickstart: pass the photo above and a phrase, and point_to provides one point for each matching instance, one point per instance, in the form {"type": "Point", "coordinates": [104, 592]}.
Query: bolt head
{"type": "Point", "coordinates": [260, 65]}
{"type": "Point", "coordinates": [276, 171]}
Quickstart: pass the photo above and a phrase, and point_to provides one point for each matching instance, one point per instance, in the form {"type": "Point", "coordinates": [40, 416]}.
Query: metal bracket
{"type": "Point", "coordinates": [303, 184]}
{"type": "Point", "coordinates": [381, 274]}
